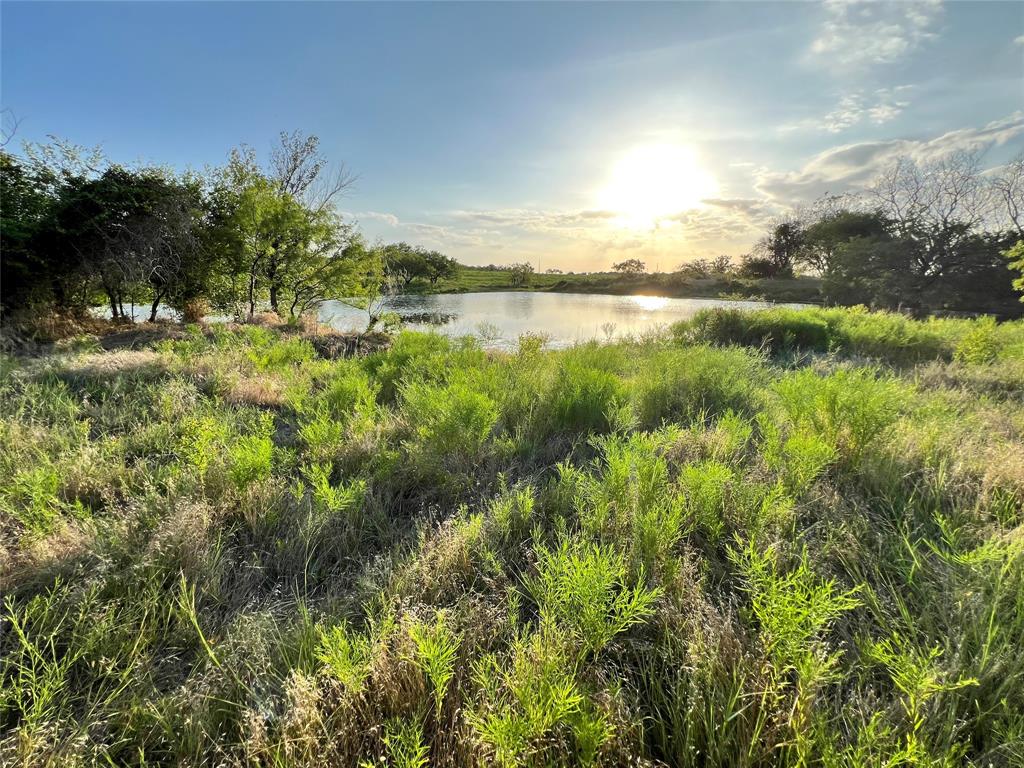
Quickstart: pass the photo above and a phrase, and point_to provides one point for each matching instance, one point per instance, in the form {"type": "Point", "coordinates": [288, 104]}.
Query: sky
{"type": "Point", "coordinates": [569, 135]}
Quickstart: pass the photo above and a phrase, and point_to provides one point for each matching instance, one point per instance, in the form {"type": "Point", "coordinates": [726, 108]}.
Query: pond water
{"type": "Point", "coordinates": [499, 318]}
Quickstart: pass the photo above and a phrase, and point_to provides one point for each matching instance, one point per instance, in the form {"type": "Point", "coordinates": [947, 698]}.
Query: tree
{"type": "Point", "coordinates": [1009, 189]}
{"type": "Point", "coordinates": [439, 266]}
{"type": "Point", "coordinates": [703, 268]}
{"type": "Point", "coordinates": [25, 203]}
{"type": "Point", "coordinates": [75, 226]}
{"type": "Point", "coordinates": [757, 267]}
{"type": "Point", "coordinates": [337, 265]}
{"type": "Point", "coordinates": [822, 239]}
{"type": "Point", "coordinates": [630, 267]}
{"type": "Point", "coordinates": [934, 205]}
{"type": "Point", "coordinates": [520, 274]}
{"type": "Point", "coordinates": [404, 263]}
{"type": "Point", "coordinates": [779, 248]}
{"type": "Point", "coordinates": [1015, 256]}
{"type": "Point", "coordinates": [300, 170]}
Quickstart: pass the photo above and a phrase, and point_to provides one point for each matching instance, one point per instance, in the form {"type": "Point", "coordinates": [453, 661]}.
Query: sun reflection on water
{"type": "Point", "coordinates": [649, 303]}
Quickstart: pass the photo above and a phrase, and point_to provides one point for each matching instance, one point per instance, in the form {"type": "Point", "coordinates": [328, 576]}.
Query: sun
{"type": "Point", "coordinates": [652, 182]}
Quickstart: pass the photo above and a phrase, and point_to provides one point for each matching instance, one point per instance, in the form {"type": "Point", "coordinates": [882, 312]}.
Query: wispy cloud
{"type": "Point", "coordinates": [535, 220]}
{"type": "Point", "coordinates": [858, 33]}
{"type": "Point", "coordinates": [387, 218]}
{"type": "Point", "coordinates": [858, 108]}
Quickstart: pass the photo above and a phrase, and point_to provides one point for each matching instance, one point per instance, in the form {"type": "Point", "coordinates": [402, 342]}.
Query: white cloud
{"type": "Point", "coordinates": [849, 166]}
{"type": "Point", "coordinates": [536, 220]}
{"type": "Point", "coordinates": [856, 108]}
{"type": "Point", "coordinates": [858, 33]}
{"type": "Point", "coordinates": [387, 218]}
{"type": "Point", "coordinates": [1019, 40]}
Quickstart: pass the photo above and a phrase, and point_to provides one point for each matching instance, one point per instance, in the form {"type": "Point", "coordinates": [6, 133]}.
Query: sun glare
{"type": "Point", "coordinates": [653, 182]}
{"type": "Point", "coordinates": [649, 303]}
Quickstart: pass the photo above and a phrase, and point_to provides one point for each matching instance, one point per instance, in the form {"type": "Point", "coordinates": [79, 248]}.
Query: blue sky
{"type": "Point", "coordinates": [570, 135]}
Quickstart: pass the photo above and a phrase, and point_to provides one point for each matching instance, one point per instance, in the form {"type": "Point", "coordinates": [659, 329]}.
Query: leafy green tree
{"type": "Point", "coordinates": [439, 266]}
{"type": "Point", "coordinates": [779, 248]}
{"type": "Point", "coordinates": [403, 263]}
{"type": "Point", "coordinates": [823, 238]}
{"type": "Point", "coordinates": [1016, 259]}
{"type": "Point", "coordinates": [24, 204]}
{"type": "Point", "coordinates": [336, 264]}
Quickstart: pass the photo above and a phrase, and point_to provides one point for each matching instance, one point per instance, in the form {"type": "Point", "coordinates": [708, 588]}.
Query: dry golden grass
{"type": "Point", "coordinates": [263, 392]}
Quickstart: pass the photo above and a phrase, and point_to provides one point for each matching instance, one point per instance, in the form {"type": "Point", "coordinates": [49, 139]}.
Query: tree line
{"type": "Point", "coordinates": [939, 234]}
{"type": "Point", "coordinates": [926, 234]}
{"type": "Point", "coordinates": [78, 230]}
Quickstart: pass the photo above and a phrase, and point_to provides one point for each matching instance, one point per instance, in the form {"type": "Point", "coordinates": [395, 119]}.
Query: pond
{"type": "Point", "coordinates": [499, 318]}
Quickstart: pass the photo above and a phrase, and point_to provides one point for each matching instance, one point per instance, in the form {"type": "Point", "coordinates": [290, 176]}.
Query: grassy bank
{"type": "Point", "coordinates": [766, 539]}
{"type": "Point", "coordinates": [472, 279]}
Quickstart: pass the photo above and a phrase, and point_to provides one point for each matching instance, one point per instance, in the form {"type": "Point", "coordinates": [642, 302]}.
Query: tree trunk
{"type": "Point", "coordinates": [252, 296]}
{"type": "Point", "coordinates": [113, 304]}
{"type": "Point", "coordinates": [156, 303]}
{"type": "Point", "coordinates": [273, 297]}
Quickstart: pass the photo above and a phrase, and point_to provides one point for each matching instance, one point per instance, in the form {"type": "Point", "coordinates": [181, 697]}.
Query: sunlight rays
{"type": "Point", "coordinates": [651, 183]}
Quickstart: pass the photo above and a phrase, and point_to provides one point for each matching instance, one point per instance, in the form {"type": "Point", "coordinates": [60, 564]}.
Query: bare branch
{"type": "Point", "coordinates": [1009, 189]}
{"type": "Point", "coordinates": [9, 123]}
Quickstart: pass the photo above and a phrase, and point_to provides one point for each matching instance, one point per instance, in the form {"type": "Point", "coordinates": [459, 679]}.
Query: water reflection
{"type": "Point", "coordinates": [566, 318]}
{"type": "Point", "coordinates": [649, 303]}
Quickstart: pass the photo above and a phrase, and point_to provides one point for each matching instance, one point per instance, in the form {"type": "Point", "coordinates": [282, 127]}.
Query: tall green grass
{"type": "Point", "coordinates": [773, 538]}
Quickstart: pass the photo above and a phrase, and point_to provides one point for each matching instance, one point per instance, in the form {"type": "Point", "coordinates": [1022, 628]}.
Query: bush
{"type": "Point", "coordinates": [980, 344]}
{"type": "Point", "coordinates": [679, 385]}
{"type": "Point", "coordinates": [848, 408]}
{"type": "Point", "coordinates": [583, 589]}
{"type": "Point", "coordinates": [250, 457]}
{"type": "Point", "coordinates": [582, 399]}
{"type": "Point", "coordinates": [772, 329]}
{"type": "Point", "coordinates": [451, 424]}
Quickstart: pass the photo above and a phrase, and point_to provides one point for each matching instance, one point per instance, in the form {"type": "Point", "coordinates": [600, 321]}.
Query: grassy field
{"type": "Point", "coordinates": [473, 279]}
{"type": "Point", "coordinates": [770, 539]}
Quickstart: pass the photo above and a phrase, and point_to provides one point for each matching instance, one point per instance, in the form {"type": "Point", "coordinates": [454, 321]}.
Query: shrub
{"type": "Point", "coordinates": [583, 589]}
{"type": "Point", "coordinates": [251, 457]}
{"type": "Point", "coordinates": [772, 329]}
{"type": "Point", "coordinates": [532, 703]}
{"type": "Point", "coordinates": [31, 497]}
{"type": "Point", "coordinates": [451, 424]}
{"type": "Point", "coordinates": [800, 456]}
{"type": "Point", "coordinates": [793, 608]}
{"type": "Point", "coordinates": [848, 408]}
{"type": "Point", "coordinates": [437, 649]}
{"type": "Point", "coordinates": [346, 655]}
{"type": "Point", "coordinates": [351, 392]}
{"type": "Point", "coordinates": [582, 399]}
{"type": "Point", "coordinates": [404, 741]}
{"type": "Point", "coordinates": [980, 344]}
{"type": "Point", "coordinates": [412, 357]}
{"type": "Point", "coordinates": [679, 385]}
{"type": "Point", "coordinates": [706, 487]}
{"type": "Point", "coordinates": [278, 355]}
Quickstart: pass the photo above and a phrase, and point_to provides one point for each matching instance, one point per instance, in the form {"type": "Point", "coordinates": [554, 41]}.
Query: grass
{"type": "Point", "coordinates": [765, 539]}
{"type": "Point", "coordinates": [475, 279]}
